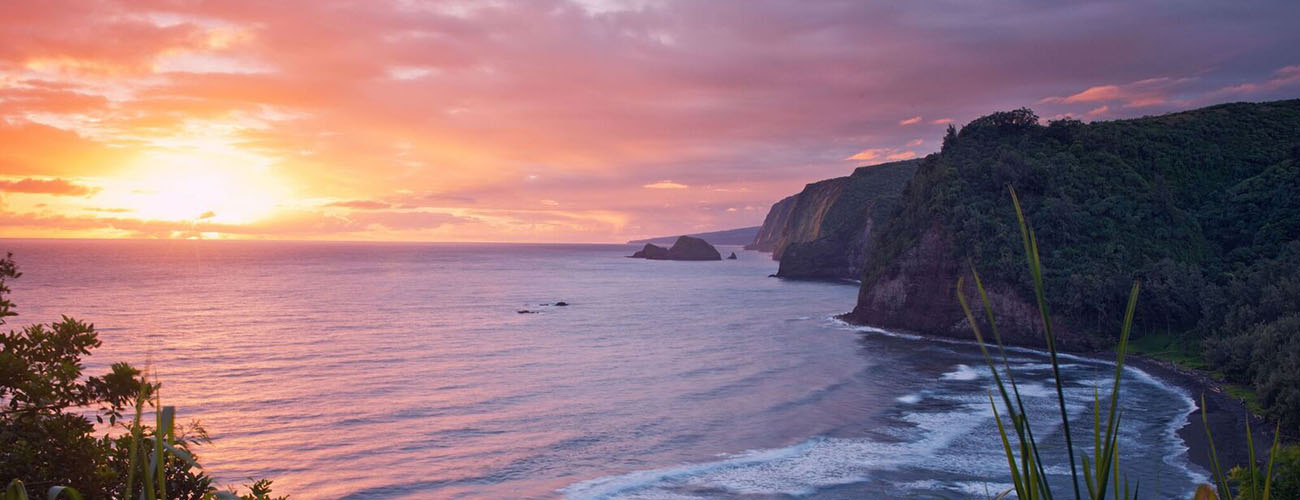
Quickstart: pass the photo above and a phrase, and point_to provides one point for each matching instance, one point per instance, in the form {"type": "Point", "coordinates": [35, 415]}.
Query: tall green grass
{"type": "Point", "coordinates": [1100, 470]}
{"type": "Point", "coordinates": [160, 450]}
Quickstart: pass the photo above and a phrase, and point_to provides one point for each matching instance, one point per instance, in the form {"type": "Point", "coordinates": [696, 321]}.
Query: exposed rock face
{"type": "Point", "coordinates": [732, 256]}
{"type": "Point", "coordinates": [685, 248]}
{"type": "Point", "coordinates": [774, 225]}
{"type": "Point", "coordinates": [827, 230]}
{"type": "Point", "coordinates": [918, 292]}
{"type": "Point", "coordinates": [805, 223]}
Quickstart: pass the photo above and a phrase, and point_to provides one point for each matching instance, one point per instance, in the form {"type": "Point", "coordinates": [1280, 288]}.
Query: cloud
{"type": "Point", "coordinates": [1096, 94]}
{"type": "Point", "coordinates": [665, 185]}
{"type": "Point", "coordinates": [292, 224]}
{"type": "Point", "coordinates": [483, 96]}
{"type": "Point", "coordinates": [881, 155]}
{"type": "Point", "coordinates": [360, 204]}
{"type": "Point", "coordinates": [915, 142]}
{"type": "Point", "coordinates": [869, 154]}
{"type": "Point", "coordinates": [1144, 93]}
{"type": "Point", "coordinates": [1287, 77]}
{"type": "Point", "coordinates": [56, 187]}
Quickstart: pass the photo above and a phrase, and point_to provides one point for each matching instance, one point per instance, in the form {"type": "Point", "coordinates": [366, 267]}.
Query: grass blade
{"type": "Point", "coordinates": [1030, 243]}
{"type": "Point", "coordinates": [1214, 454]}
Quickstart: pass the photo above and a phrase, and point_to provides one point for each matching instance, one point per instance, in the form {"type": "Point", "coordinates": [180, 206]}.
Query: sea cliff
{"type": "Point", "coordinates": [1177, 201]}
{"type": "Point", "coordinates": [826, 230]}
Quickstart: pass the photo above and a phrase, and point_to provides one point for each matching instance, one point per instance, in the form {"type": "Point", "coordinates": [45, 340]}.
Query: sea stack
{"type": "Point", "coordinates": [685, 248]}
{"type": "Point", "coordinates": [651, 251]}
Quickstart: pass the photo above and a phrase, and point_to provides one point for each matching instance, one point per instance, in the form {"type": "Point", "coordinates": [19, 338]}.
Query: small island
{"type": "Point", "coordinates": [685, 248]}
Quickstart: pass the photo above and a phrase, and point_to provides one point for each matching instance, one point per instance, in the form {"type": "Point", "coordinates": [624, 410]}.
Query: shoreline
{"type": "Point", "coordinates": [1225, 414]}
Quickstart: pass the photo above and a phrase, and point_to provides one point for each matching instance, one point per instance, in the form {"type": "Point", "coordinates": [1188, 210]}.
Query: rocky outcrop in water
{"type": "Point", "coordinates": [651, 251]}
{"type": "Point", "coordinates": [685, 248]}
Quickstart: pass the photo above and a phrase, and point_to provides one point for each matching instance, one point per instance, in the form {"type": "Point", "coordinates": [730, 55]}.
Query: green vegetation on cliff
{"type": "Point", "coordinates": [826, 231]}
{"type": "Point", "coordinates": [1200, 205]}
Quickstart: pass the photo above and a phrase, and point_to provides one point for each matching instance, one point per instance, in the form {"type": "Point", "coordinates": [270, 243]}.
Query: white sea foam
{"type": "Point", "coordinates": [1034, 390]}
{"type": "Point", "coordinates": [973, 489]}
{"type": "Point", "coordinates": [963, 372]}
{"type": "Point", "coordinates": [934, 440]}
{"type": "Point", "coordinates": [1178, 460]}
{"type": "Point", "coordinates": [803, 468]}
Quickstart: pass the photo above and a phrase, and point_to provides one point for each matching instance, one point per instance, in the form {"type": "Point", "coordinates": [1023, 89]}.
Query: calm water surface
{"type": "Point", "coordinates": [385, 371]}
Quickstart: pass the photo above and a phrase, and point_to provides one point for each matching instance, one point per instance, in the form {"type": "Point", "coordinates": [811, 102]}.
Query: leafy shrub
{"type": "Point", "coordinates": [47, 438]}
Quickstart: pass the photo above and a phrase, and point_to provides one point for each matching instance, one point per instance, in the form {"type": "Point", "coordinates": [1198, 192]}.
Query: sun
{"type": "Point", "coordinates": [200, 186]}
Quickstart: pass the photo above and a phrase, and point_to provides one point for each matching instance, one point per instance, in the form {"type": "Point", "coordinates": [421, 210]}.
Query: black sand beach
{"type": "Point", "coordinates": [1225, 415]}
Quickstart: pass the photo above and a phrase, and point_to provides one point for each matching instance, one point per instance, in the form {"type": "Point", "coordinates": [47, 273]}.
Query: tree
{"type": "Point", "coordinates": [46, 437]}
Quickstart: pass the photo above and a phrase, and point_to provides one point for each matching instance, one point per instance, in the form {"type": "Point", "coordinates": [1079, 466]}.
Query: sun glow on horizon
{"type": "Point", "coordinates": [198, 186]}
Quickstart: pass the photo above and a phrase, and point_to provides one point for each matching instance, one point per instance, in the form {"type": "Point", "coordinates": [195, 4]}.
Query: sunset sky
{"type": "Point", "coordinates": [593, 121]}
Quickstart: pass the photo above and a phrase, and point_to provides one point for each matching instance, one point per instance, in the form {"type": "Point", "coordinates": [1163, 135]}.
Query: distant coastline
{"type": "Point", "coordinates": [740, 236]}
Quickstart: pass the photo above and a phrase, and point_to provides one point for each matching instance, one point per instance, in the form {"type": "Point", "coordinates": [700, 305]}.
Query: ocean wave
{"type": "Point", "coordinates": [806, 467]}
{"type": "Point", "coordinates": [962, 372]}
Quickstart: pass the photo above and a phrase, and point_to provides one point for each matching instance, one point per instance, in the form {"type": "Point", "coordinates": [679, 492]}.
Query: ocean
{"type": "Point", "coordinates": [402, 370]}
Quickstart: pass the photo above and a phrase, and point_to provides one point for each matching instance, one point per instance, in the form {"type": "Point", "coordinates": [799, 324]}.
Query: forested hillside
{"type": "Point", "coordinates": [1202, 206]}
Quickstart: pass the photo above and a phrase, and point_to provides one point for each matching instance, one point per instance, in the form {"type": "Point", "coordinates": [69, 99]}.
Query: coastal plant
{"type": "Point", "coordinates": [48, 412]}
{"type": "Point", "coordinates": [1249, 482]}
{"type": "Point", "coordinates": [1100, 471]}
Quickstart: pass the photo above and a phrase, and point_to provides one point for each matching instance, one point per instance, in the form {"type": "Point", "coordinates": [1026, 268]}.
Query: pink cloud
{"type": "Point", "coordinates": [1284, 78]}
{"type": "Point", "coordinates": [1096, 94]}
{"type": "Point", "coordinates": [587, 101]}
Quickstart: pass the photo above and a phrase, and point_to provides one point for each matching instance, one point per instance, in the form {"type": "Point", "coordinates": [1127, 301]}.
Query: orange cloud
{"type": "Point", "coordinates": [881, 155]}
{"type": "Point", "coordinates": [360, 204]}
{"type": "Point", "coordinates": [57, 187]}
{"type": "Point", "coordinates": [869, 154]}
{"type": "Point", "coordinates": [469, 124]}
